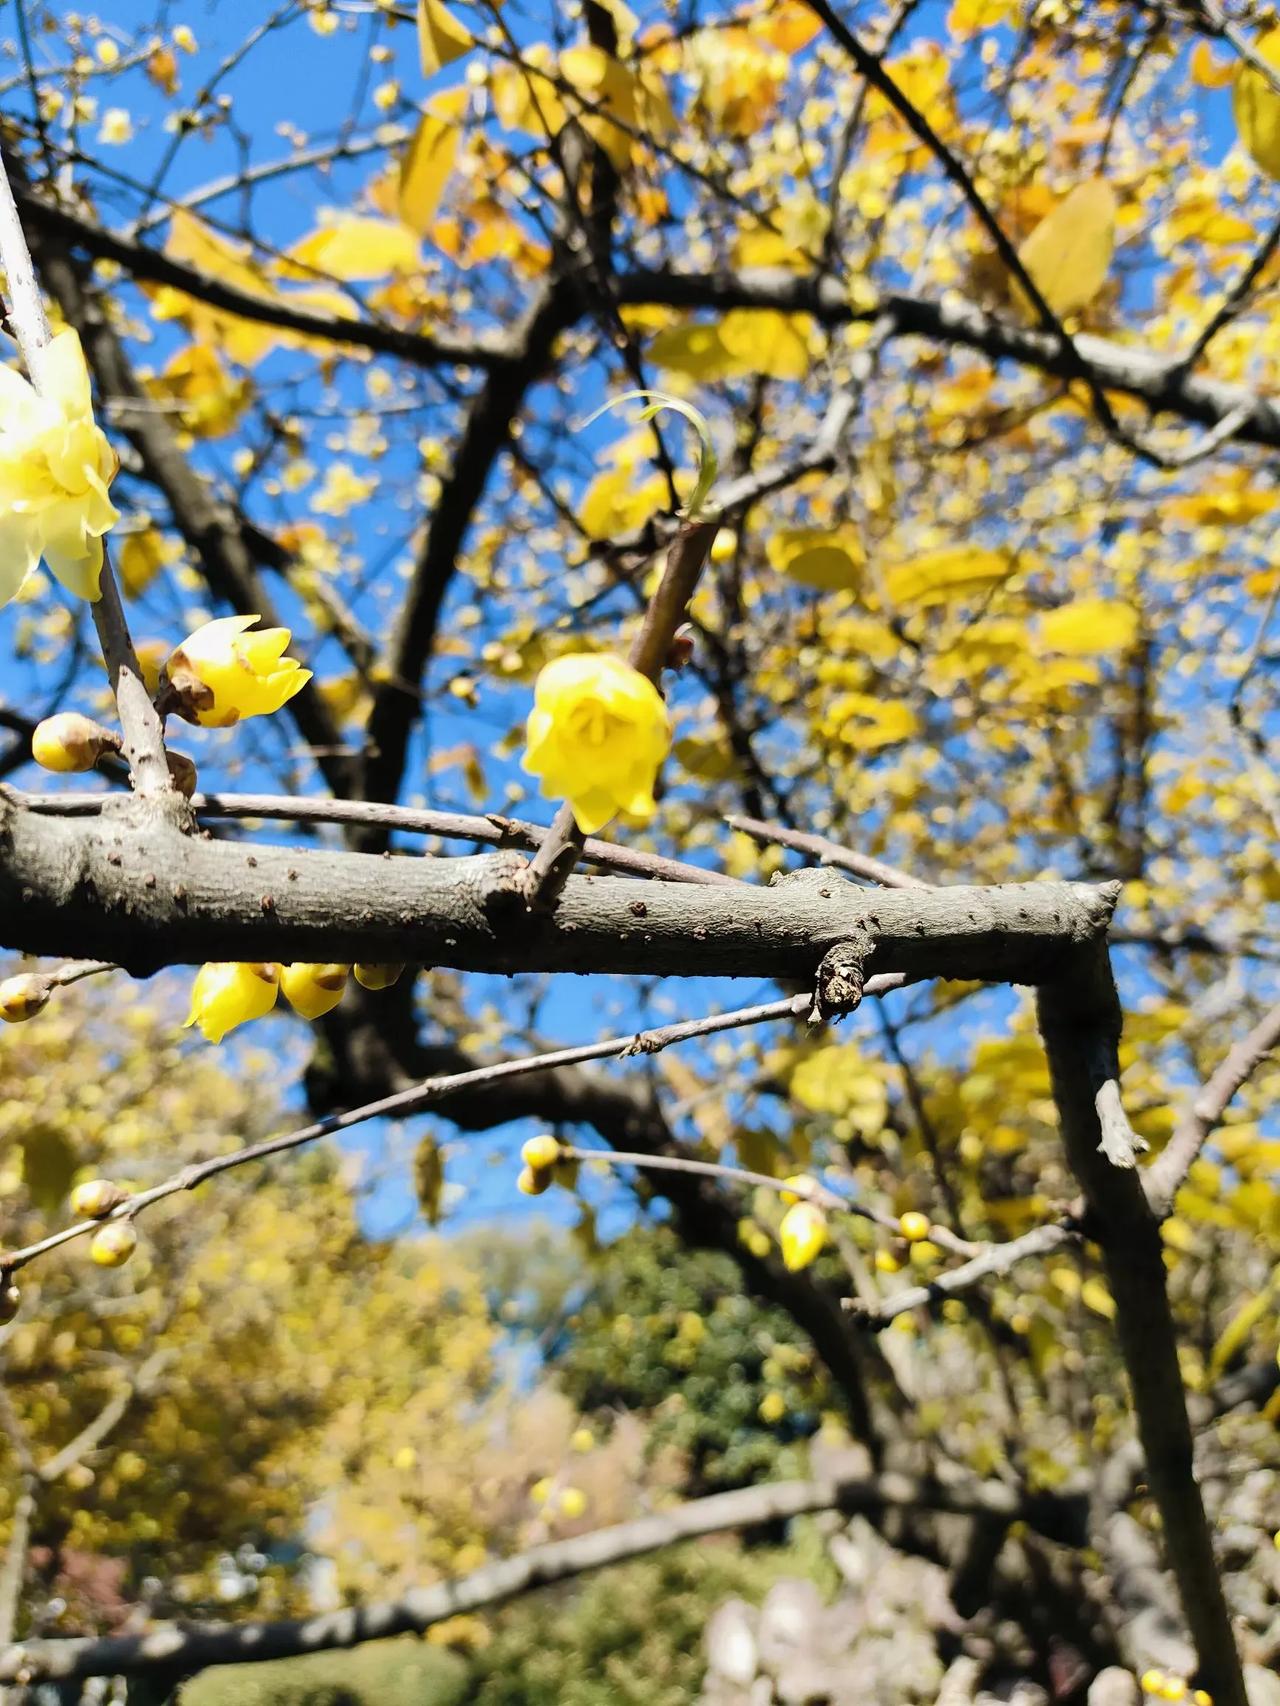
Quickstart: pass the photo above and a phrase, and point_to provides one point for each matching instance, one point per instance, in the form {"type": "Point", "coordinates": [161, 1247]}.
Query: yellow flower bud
{"type": "Point", "coordinates": [377, 977]}
{"type": "Point", "coordinates": [22, 997]}
{"type": "Point", "coordinates": [582, 1439]}
{"type": "Point", "coordinates": [182, 772]}
{"type": "Point", "coordinates": [573, 1502]}
{"type": "Point", "coordinates": [221, 674]}
{"type": "Point", "coordinates": [799, 1186]}
{"type": "Point", "coordinates": [596, 736]}
{"type": "Point", "coordinates": [1151, 1681]}
{"type": "Point", "coordinates": [55, 467]}
{"type": "Point", "coordinates": [95, 1199]}
{"type": "Point", "coordinates": [1202, 1697]}
{"type": "Point", "coordinates": [10, 1300]}
{"type": "Point", "coordinates": [772, 1408]}
{"type": "Point", "coordinates": [914, 1226]}
{"type": "Point", "coordinates": [802, 1235]}
{"type": "Point", "coordinates": [540, 1491]}
{"type": "Point", "coordinates": [533, 1181]}
{"type": "Point", "coordinates": [1174, 1689]}
{"type": "Point", "coordinates": [70, 742]}
{"type": "Point", "coordinates": [226, 993]}
{"type": "Point", "coordinates": [113, 1244]}
{"type": "Point", "coordinates": [887, 1263]}
{"type": "Point", "coordinates": [313, 990]}
{"type": "Point", "coordinates": [540, 1152]}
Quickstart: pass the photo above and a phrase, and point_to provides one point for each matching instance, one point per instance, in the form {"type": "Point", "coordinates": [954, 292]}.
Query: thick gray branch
{"type": "Point", "coordinates": [181, 1650]}
{"type": "Point", "coordinates": [147, 896]}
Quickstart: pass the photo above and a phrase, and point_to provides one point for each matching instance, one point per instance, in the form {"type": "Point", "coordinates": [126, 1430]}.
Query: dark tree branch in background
{"type": "Point", "coordinates": [182, 1649]}
{"type": "Point", "coordinates": [1079, 1017]}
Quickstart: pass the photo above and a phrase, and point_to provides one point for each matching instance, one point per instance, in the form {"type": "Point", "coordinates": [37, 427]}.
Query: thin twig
{"type": "Point", "coordinates": [1163, 1179]}
{"type": "Point", "coordinates": [825, 852]}
{"type": "Point", "coordinates": [493, 829]}
{"type": "Point", "coordinates": [432, 1090]}
{"type": "Point", "coordinates": [995, 1259]}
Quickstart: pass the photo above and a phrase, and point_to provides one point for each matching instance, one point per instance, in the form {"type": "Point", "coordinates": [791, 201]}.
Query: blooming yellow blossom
{"type": "Point", "coordinates": [116, 126]}
{"type": "Point", "coordinates": [802, 1235]}
{"type": "Point", "coordinates": [113, 1244]}
{"type": "Point", "coordinates": [226, 993]}
{"type": "Point", "coordinates": [55, 468]}
{"type": "Point", "coordinates": [596, 735]}
{"type": "Point", "coordinates": [222, 674]}
{"type": "Point", "coordinates": [313, 990]}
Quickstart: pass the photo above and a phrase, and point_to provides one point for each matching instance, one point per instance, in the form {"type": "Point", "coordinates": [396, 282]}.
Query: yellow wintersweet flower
{"type": "Point", "coordinates": [596, 735]}
{"type": "Point", "coordinates": [55, 468]}
{"type": "Point", "coordinates": [226, 993]}
{"type": "Point", "coordinates": [802, 1235]}
{"type": "Point", "coordinates": [222, 674]}
{"type": "Point", "coordinates": [313, 990]}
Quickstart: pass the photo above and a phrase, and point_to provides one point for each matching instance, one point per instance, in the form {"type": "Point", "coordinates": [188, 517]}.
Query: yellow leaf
{"type": "Point", "coordinates": [1068, 255]}
{"type": "Point", "coordinates": [1206, 72]}
{"type": "Point", "coordinates": [354, 248]}
{"type": "Point", "coordinates": [210, 401]}
{"type": "Point", "coordinates": [936, 576]}
{"type": "Point", "coordinates": [614, 503]}
{"type": "Point", "coordinates": [787, 25]}
{"type": "Point", "coordinates": [967, 17]}
{"type": "Point", "coordinates": [1256, 106]}
{"type": "Point", "coordinates": [696, 350]}
{"type": "Point", "coordinates": [830, 560]}
{"type": "Point", "coordinates": [765, 342]}
{"type": "Point", "coordinates": [425, 170]}
{"type": "Point", "coordinates": [242, 341]}
{"type": "Point", "coordinates": [441, 38]}
{"type": "Point", "coordinates": [1089, 627]}
{"type": "Point", "coordinates": [866, 723]}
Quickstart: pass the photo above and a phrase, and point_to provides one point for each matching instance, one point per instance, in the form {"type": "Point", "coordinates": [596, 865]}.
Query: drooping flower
{"type": "Point", "coordinates": [596, 736]}
{"type": "Point", "coordinates": [313, 990]}
{"type": "Point", "coordinates": [378, 976]}
{"type": "Point", "coordinates": [55, 468]}
{"type": "Point", "coordinates": [802, 1235]}
{"type": "Point", "coordinates": [221, 674]}
{"type": "Point", "coordinates": [227, 993]}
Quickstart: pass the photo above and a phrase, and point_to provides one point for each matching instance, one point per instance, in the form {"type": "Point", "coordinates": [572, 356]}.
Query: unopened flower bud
{"type": "Point", "coordinates": [378, 977]}
{"type": "Point", "coordinates": [182, 772]}
{"type": "Point", "coordinates": [533, 1181]}
{"type": "Point", "coordinates": [70, 742]}
{"type": "Point", "coordinates": [113, 1244]}
{"type": "Point", "coordinates": [95, 1199]}
{"type": "Point", "coordinates": [680, 651]}
{"type": "Point", "coordinates": [313, 990]}
{"type": "Point", "coordinates": [914, 1226]}
{"type": "Point", "coordinates": [10, 1300]}
{"type": "Point", "coordinates": [540, 1152]}
{"type": "Point", "coordinates": [22, 997]}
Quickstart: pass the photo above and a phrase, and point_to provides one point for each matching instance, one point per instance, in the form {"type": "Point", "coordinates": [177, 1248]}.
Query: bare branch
{"type": "Point", "coordinates": [1163, 1179]}
{"type": "Point", "coordinates": [182, 1649]}
{"type": "Point", "coordinates": [825, 852]}
{"type": "Point", "coordinates": [994, 1260]}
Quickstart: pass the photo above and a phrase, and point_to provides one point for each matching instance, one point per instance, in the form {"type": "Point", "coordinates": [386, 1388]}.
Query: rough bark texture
{"type": "Point", "coordinates": [145, 897]}
{"type": "Point", "coordinates": [1078, 1010]}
